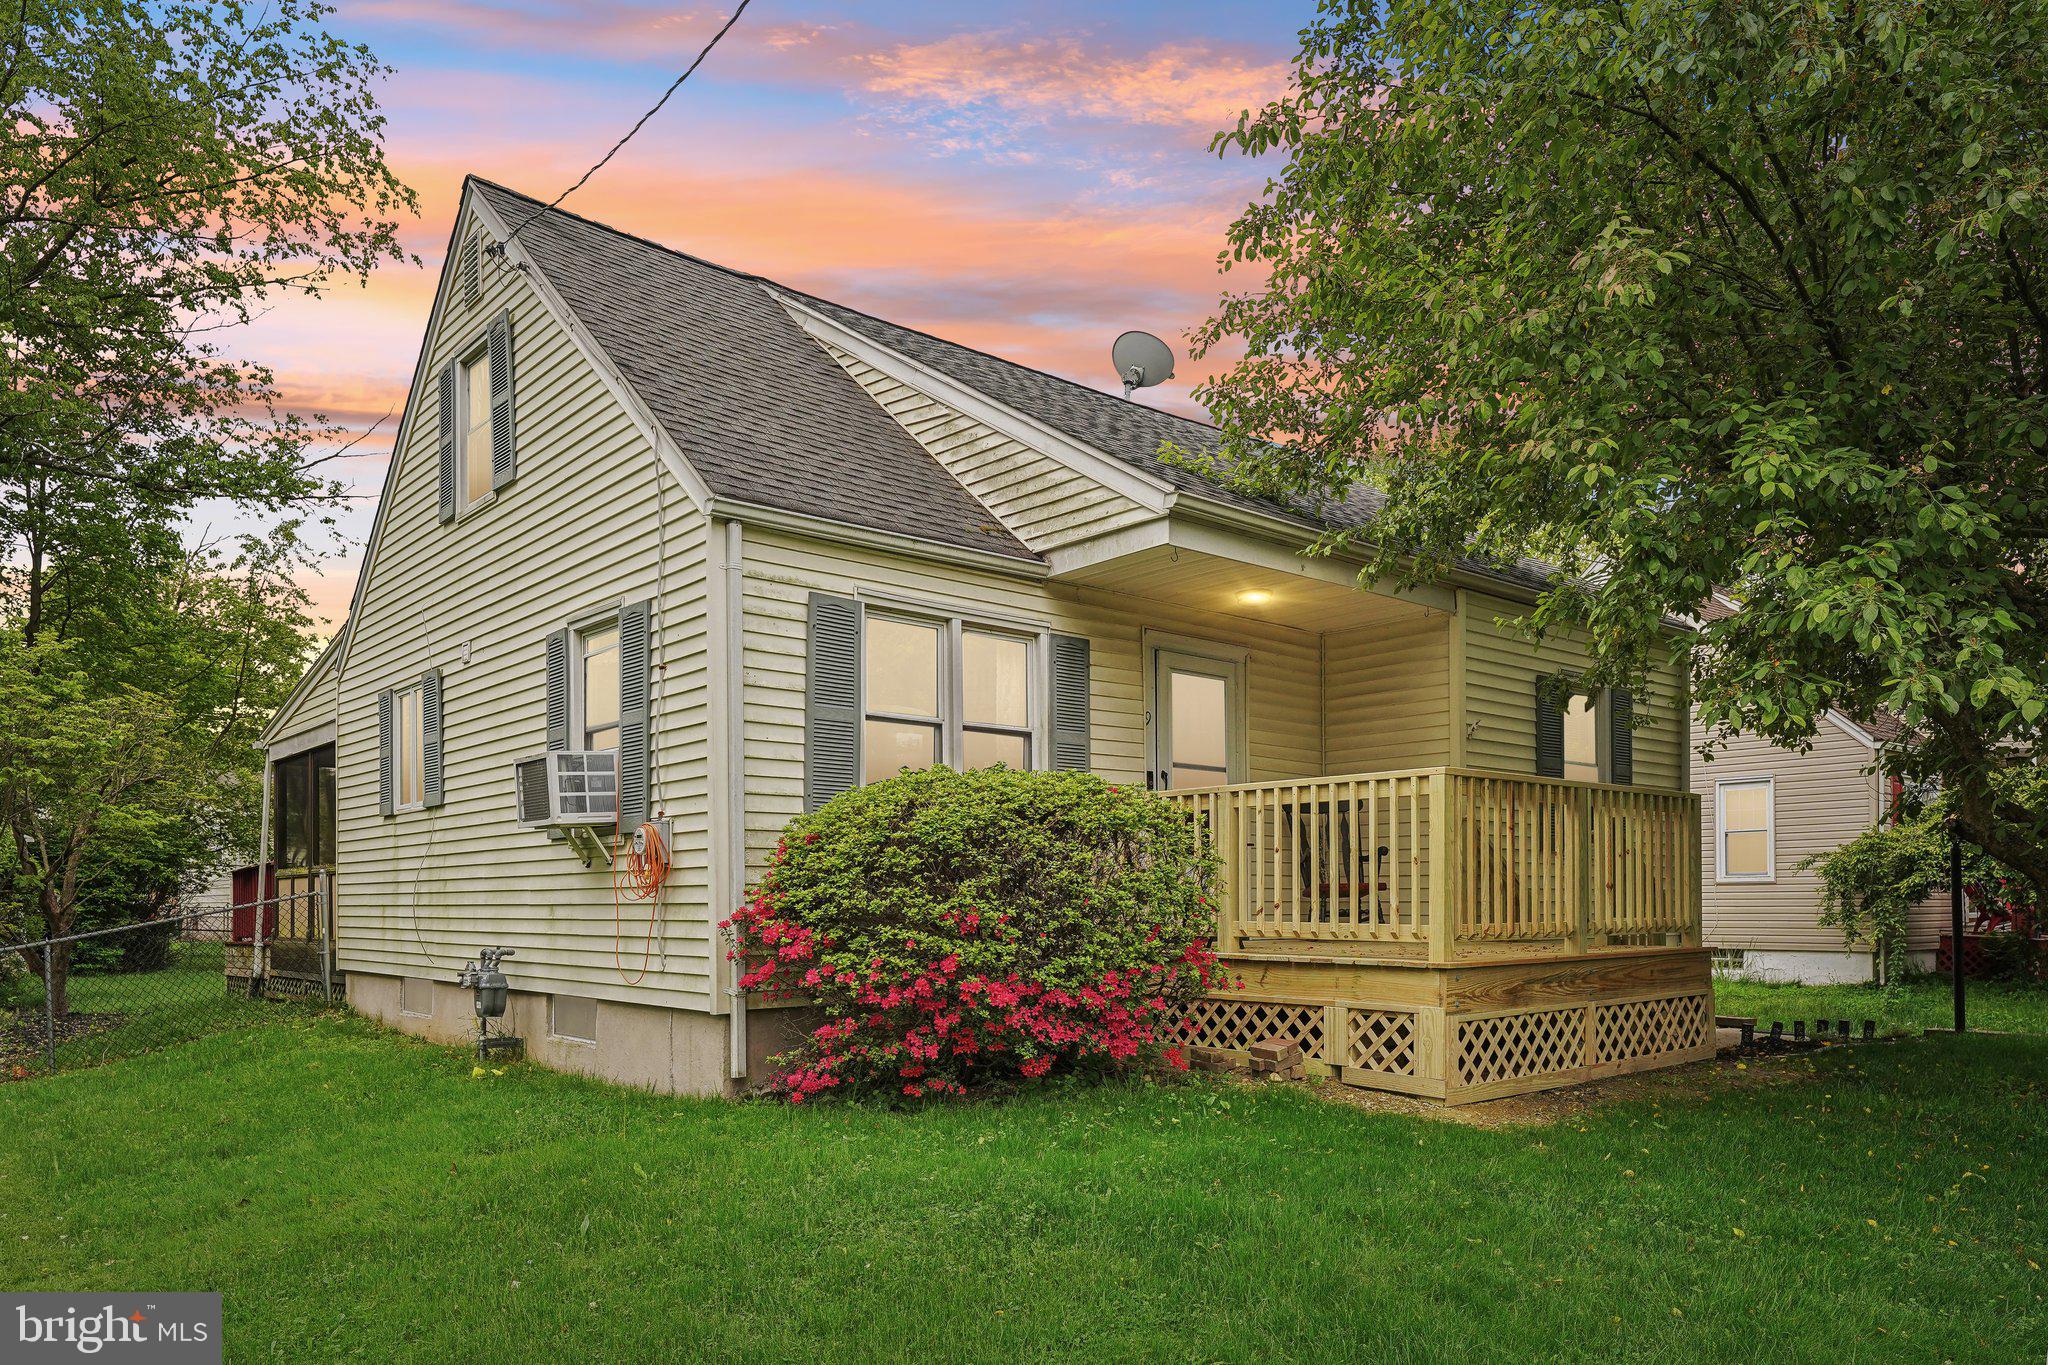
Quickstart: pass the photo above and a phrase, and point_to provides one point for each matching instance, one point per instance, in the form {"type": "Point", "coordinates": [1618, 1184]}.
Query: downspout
{"type": "Point", "coordinates": [733, 679]}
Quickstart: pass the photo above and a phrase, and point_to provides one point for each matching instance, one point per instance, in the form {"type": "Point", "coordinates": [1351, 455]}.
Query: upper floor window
{"type": "Point", "coordinates": [942, 691]}
{"type": "Point", "coordinates": [475, 440]}
{"type": "Point", "coordinates": [408, 747]}
{"type": "Point", "coordinates": [598, 685]}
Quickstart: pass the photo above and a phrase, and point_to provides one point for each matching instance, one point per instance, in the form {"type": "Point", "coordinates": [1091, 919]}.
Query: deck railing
{"type": "Point", "coordinates": [1545, 864]}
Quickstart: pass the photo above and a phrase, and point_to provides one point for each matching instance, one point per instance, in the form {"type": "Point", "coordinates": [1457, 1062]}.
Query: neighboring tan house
{"type": "Point", "coordinates": [716, 550]}
{"type": "Point", "coordinates": [1764, 810]}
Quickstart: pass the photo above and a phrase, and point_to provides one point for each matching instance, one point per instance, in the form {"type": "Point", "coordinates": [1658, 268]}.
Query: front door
{"type": "Point", "coordinates": [1195, 710]}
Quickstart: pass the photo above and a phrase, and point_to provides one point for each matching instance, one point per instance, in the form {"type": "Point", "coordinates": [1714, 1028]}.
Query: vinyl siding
{"type": "Point", "coordinates": [1387, 696]}
{"type": "Point", "coordinates": [312, 708]}
{"type": "Point", "coordinates": [420, 892]}
{"type": "Point", "coordinates": [1501, 668]}
{"type": "Point", "coordinates": [1821, 799]}
{"type": "Point", "coordinates": [1044, 503]}
{"type": "Point", "coordinates": [1283, 670]}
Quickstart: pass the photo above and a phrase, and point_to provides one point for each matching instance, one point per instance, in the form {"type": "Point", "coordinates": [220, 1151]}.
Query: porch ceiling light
{"type": "Point", "coordinates": [1254, 597]}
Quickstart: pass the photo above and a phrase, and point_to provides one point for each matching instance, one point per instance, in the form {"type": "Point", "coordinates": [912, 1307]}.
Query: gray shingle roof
{"type": "Point", "coordinates": [766, 416]}
{"type": "Point", "coordinates": [754, 404]}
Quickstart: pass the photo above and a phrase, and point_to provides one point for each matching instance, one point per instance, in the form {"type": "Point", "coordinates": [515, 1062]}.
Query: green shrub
{"type": "Point", "coordinates": [961, 928]}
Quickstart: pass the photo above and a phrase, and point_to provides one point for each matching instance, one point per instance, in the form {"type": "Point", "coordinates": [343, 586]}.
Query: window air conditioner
{"type": "Point", "coordinates": [568, 787]}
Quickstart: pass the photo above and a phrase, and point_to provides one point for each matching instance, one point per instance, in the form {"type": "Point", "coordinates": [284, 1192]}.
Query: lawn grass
{"type": "Point", "coordinates": [360, 1195]}
{"type": "Point", "coordinates": [187, 999]}
{"type": "Point", "coordinates": [1920, 1002]}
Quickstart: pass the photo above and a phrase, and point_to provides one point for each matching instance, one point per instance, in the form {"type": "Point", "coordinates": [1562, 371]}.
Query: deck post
{"type": "Point", "coordinates": [1443, 909]}
{"type": "Point", "coordinates": [1229, 837]}
{"type": "Point", "coordinates": [1579, 840]}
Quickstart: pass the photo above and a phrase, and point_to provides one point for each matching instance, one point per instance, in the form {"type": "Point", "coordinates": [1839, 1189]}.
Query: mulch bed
{"type": "Point", "coordinates": [24, 1038]}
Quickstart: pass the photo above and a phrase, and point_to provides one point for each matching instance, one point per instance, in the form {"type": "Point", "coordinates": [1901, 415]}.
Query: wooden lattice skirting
{"type": "Point", "coordinates": [1462, 1057]}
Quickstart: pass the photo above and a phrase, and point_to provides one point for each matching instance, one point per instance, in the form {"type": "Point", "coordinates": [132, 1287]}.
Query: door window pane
{"type": "Point", "coordinates": [890, 746]}
{"type": "Point", "coordinates": [985, 748]}
{"type": "Point", "coordinates": [1199, 730]}
{"type": "Point", "coordinates": [995, 680]}
{"type": "Point", "coordinates": [1581, 742]}
{"type": "Point", "coordinates": [902, 667]}
{"type": "Point", "coordinates": [601, 688]}
{"type": "Point", "coordinates": [476, 438]}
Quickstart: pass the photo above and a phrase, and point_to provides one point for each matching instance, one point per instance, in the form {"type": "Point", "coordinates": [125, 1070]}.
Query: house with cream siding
{"type": "Point", "coordinates": [1764, 811]}
{"type": "Point", "coordinates": [708, 550]}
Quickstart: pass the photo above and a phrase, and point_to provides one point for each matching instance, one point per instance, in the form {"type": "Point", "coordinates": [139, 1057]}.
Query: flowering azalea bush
{"type": "Point", "coordinates": [963, 928]}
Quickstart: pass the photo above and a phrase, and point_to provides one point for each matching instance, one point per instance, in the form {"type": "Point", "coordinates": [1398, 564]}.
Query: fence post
{"type": "Point", "coordinates": [50, 1005]}
{"type": "Point", "coordinates": [323, 913]}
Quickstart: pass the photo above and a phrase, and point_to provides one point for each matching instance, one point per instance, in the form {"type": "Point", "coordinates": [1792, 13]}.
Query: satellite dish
{"type": "Point", "coordinates": [1141, 360]}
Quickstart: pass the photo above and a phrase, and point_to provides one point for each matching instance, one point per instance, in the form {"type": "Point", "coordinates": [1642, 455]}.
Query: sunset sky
{"type": "Point", "coordinates": [1030, 179]}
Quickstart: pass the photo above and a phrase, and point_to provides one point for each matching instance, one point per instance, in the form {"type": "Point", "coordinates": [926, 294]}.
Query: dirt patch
{"type": "Point", "coordinates": [1696, 1080]}
{"type": "Point", "coordinates": [25, 1039]}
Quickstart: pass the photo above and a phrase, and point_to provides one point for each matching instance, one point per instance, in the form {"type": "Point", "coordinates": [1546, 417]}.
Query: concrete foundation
{"type": "Point", "coordinates": [1843, 968]}
{"type": "Point", "coordinates": [649, 1047]}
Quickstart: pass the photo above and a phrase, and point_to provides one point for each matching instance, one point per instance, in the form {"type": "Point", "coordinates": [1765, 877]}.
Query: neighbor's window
{"type": "Point", "coordinates": [599, 685]}
{"type": "Point", "coordinates": [408, 748]}
{"type": "Point", "coordinates": [1581, 738]}
{"type": "Point", "coordinates": [476, 434]}
{"type": "Point", "coordinates": [940, 691]}
{"type": "Point", "coordinates": [1744, 821]}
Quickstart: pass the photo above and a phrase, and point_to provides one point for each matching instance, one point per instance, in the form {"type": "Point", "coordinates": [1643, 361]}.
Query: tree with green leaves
{"type": "Point", "coordinates": [168, 170]}
{"type": "Point", "coordinates": [1678, 294]}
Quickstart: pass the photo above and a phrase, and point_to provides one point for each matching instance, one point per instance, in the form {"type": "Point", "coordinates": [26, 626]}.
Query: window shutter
{"type": "Point", "coordinates": [1621, 735]}
{"type": "Point", "coordinates": [1550, 695]}
{"type": "Point", "coordinates": [504, 465]}
{"type": "Point", "coordinates": [430, 737]}
{"type": "Point", "coordinates": [558, 690]}
{"type": "Point", "coordinates": [832, 700]}
{"type": "Point", "coordinates": [635, 755]}
{"type": "Point", "coordinates": [1070, 667]}
{"type": "Point", "coordinates": [472, 273]}
{"type": "Point", "coordinates": [384, 787]}
{"type": "Point", "coordinates": [449, 421]}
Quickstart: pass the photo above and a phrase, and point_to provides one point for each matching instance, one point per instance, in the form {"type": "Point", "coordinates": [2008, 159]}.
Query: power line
{"type": "Point", "coordinates": [674, 86]}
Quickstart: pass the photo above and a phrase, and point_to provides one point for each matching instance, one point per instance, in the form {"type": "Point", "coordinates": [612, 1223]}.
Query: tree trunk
{"type": "Point", "coordinates": [60, 980]}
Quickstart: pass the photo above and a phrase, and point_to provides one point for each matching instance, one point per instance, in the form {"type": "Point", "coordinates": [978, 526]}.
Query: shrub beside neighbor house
{"type": "Point", "coordinates": [961, 929]}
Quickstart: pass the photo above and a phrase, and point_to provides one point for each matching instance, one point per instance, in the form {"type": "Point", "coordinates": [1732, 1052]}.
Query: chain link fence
{"type": "Point", "coordinates": [83, 999]}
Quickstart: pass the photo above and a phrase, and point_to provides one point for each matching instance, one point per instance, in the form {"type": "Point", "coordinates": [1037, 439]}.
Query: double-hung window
{"type": "Point", "coordinates": [473, 450]}
{"type": "Point", "coordinates": [939, 690]}
{"type": "Point", "coordinates": [1581, 738]}
{"type": "Point", "coordinates": [1744, 821]}
{"type": "Point", "coordinates": [598, 684]}
{"type": "Point", "coordinates": [408, 747]}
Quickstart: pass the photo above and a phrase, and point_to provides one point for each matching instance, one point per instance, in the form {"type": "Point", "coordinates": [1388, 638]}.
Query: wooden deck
{"type": "Point", "coordinates": [1458, 933]}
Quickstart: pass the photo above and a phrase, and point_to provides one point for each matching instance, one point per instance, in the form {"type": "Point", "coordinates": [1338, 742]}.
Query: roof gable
{"type": "Point", "coordinates": [757, 408]}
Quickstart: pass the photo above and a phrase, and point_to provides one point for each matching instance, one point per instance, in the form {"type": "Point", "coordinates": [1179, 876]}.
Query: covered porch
{"type": "Point", "coordinates": [1426, 881]}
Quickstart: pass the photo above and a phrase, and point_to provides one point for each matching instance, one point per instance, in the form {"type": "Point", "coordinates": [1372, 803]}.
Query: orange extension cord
{"type": "Point", "coordinates": [637, 876]}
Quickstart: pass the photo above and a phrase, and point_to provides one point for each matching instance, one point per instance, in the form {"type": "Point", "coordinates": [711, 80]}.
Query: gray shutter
{"type": "Point", "coordinates": [449, 419]}
{"type": "Point", "coordinates": [635, 755]}
{"type": "Point", "coordinates": [1070, 667]}
{"type": "Point", "coordinates": [1550, 696]}
{"type": "Point", "coordinates": [1621, 731]}
{"type": "Point", "coordinates": [558, 690]}
{"type": "Point", "coordinates": [504, 465]}
{"type": "Point", "coordinates": [430, 737]}
{"type": "Point", "coordinates": [384, 787]}
{"type": "Point", "coordinates": [472, 273]}
{"type": "Point", "coordinates": [832, 700]}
